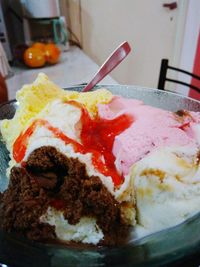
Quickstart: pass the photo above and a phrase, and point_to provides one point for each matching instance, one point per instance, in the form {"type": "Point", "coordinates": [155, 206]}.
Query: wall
{"type": "Point", "coordinates": [153, 32]}
{"type": "Point", "coordinates": [190, 53]}
{"type": "Point", "coordinates": [71, 9]}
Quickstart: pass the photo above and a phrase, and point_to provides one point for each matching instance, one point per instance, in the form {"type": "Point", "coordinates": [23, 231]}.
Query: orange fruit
{"type": "Point", "coordinates": [34, 57]}
{"type": "Point", "coordinates": [52, 53]}
{"type": "Point", "coordinates": [39, 45]}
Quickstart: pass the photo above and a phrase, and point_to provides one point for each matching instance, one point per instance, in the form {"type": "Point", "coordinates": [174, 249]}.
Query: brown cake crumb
{"type": "Point", "coordinates": [198, 158]}
{"type": "Point", "coordinates": [22, 204]}
{"type": "Point", "coordinates": [51, 179]}
{"type": "Point", "coordinates": [181, 113]}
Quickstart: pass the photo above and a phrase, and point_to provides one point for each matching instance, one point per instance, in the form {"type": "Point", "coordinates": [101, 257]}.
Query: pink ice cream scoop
{"type": "Point", "coordinates": [152, 127]}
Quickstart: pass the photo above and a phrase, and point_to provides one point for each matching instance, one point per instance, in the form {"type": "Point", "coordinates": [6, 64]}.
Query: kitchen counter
{"type": "Point", "coordinates": [75, 67]}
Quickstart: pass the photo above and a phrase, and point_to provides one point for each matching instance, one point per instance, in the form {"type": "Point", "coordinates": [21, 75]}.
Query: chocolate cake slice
{"type": "Point", "coordinates": [51, 184]}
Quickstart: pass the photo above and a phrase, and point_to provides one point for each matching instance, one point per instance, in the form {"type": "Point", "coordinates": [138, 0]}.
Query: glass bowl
{"type": "Point", "coordinates": [158, 249]}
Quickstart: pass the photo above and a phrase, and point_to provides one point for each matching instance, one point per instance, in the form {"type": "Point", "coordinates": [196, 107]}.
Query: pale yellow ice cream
{"type": "Point", "coordinates": [32, 98]}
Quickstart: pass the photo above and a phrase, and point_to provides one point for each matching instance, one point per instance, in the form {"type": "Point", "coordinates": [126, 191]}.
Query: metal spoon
{"type": "Point", "coordinates": [112, 61]}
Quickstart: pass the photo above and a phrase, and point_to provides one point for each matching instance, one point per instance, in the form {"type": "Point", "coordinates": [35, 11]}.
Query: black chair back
{"type": "Point", "coordinates": [163, 76]}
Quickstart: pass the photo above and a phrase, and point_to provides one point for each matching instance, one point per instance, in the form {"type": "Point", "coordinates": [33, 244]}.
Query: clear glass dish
{"type": "Point", "coordinates": [158, 249]}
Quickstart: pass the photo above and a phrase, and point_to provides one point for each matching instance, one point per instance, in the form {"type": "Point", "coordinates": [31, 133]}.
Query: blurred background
{"type": "Point", "coordinates": [85, 32]}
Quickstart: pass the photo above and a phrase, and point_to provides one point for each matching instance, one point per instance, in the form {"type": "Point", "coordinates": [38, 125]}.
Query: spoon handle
{"type": "Point", "coordinates": [112, 61]}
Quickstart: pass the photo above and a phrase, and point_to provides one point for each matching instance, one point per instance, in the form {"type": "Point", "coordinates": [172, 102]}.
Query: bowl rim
{"type": "Point", "coordinates": [147, 89]}
{"type": "Point", "coordinates": [98, 86]}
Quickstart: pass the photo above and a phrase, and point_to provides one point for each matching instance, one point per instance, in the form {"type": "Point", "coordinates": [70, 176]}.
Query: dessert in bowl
{"type": "Point", "coordinates": [88, 167]}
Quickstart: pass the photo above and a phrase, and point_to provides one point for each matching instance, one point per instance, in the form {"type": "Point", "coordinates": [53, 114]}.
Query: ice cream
{"type": "Point", "coordinates": [86, 166]}
{"type": "Point", "coordinates": [160, 150]}
{"type": "Point", "coordinates": [60, 145]}
{"type": "Point", "coordinates": [34, 97]}
{"type": "Point", "coordinates": [152, 128]}
{"type": "Point", "coordinates": [167, 186]}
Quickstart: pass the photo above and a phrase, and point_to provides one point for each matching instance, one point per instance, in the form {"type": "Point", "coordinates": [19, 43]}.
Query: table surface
{"type": "Point", "coordinates": [75, 67]}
